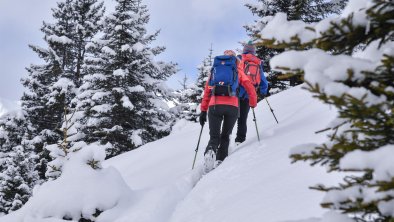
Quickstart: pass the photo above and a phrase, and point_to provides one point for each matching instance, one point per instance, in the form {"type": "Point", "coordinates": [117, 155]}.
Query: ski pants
{"type": "Point", "coordinates": [220, 139]}
{"type": "Point", "coordinates": [242, 120]}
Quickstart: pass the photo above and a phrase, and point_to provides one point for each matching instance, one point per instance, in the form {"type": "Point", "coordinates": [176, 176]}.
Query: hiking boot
{"type": "Point", "coordinates": [209, 161]}
{"type": "Point", "coordinates": [238, 141]}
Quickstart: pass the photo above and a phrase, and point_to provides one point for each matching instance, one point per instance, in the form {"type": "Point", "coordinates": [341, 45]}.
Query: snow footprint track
{"type": "Point", "coordinates": [158, 204]}
{"type": "Point", "coordinates": [167, 201]}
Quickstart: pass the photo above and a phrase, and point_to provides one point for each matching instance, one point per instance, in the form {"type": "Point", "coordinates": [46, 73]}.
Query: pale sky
{"type": "Point", "coordinates": [188, 27]}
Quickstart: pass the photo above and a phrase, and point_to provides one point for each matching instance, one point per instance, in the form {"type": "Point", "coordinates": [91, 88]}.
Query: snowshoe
{"type": "Point", "coordinates": [209, 161]}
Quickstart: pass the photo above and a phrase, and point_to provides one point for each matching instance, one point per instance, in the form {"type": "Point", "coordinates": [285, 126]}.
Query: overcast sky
{"type": "Point", "coordinates": [188, 27]}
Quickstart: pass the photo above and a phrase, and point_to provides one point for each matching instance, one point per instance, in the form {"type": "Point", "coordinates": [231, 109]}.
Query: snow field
{"type": "Point", "coordinates": [155, 183]}
{"type": "Point", "coordinates": [257, 181]}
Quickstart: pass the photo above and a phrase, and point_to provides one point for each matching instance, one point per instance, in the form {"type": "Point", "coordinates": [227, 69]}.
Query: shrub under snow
{"type": "Point", "coordinates": [80, 192]}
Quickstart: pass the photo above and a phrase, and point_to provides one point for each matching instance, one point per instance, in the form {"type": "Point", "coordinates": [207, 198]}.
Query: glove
{"type": "Point", "coordinates": [268, 90]}
{"type": "Point", "coordinates": [262, 96]}
{"type": "Point", "coordinates": [252, 102]}
{"type": "Point", "coordinates": [203, 117]}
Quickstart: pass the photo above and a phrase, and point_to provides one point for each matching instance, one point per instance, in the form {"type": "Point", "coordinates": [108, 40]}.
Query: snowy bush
{"type": "Point", "coordinates": [80, 192]}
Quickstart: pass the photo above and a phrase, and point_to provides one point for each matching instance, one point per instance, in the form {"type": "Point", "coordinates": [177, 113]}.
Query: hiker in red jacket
{"type": "Point", "coordinates": [222, 108]}
{"type": "Point", "coordinates": [253, 69]}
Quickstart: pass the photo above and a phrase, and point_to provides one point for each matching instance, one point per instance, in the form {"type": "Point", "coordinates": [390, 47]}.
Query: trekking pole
{"type": "Point", "coordinates": [255, 123]}
{"type": "Point", "coordinates": [272, 111]}
{"type": "Point", "coordinates": [199, 138]}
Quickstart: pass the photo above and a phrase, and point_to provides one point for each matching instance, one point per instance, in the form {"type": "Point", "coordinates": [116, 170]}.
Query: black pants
{"type": "Point", "coordinates": [243, 117]}
{"type": "Point", "coordinates": [220, 139]}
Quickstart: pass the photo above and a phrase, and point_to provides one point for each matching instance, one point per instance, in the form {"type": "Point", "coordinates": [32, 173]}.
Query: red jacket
{"type": "Point", "coordinates": [210, 100]}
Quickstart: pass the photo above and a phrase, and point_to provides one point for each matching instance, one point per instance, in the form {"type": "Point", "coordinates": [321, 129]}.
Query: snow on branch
{"type": "Point", "coordinates": [282, 30]}
{"type": "Point", "coordinates": [380, 160]}
{"type": "Point", "coordinates": [279, 30]}
{"type": "Point", "coordinates": [329, 71]}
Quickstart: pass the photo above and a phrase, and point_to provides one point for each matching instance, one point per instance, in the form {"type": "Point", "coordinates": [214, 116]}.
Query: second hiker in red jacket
{"type": "Point", "coordinates": [222, 109]}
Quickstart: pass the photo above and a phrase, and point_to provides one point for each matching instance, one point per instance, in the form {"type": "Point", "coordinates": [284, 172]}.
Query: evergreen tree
{"type": "Point", "coordinates": [188, 99]}
{"type": "Point", "coordinates": [204, 71]}
{"type": "Point", "coordinates": [183, 82]}
{"type": "Point", "coordinates": [52, 85]}
{"type": "Point", "coordinates": [43, 112]}
{"type": "Point", "coordinates": [59, 152]}
{"type": "Point", "coordinates": [351, 68]}
{"type": "Point", "coordinates": [87, 15]}
{"type": "Point", "coordinates": [17, 163]}
{"type": "Point", "coordinates": [18, 178]}
{"type": "Point", "coordinates": [122, 99]}
{"type": "Point", "coordinates": [308, 11]}
{"type": "Point", "coordinates": [184, 108]}
{"type": "Point", "coordinates": [13, 127]}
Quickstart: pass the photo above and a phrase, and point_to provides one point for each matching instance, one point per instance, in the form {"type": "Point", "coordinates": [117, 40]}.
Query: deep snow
{"type": "Point", "coordinates": [255, 183]}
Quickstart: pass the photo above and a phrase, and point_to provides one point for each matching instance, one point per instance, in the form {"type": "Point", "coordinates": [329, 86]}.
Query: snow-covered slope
{"type": "Point", "coordinates": [255, 183]}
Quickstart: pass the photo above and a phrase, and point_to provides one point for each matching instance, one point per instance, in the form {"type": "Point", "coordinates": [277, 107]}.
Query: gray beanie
{"type": "Point", "coordinates": [249, 48]}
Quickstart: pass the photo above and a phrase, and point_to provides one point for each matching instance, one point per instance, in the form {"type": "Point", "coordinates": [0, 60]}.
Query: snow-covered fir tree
{"type": "Point", "coordinates": [13, 127]}
{"type": "Point", "coordinates": [204, 70]}
{"type": "Point", "coordinates": [308, 11]}
{"type": "Point", "coordinates": [88, 16]}
{"type": "Point", "coordinates": [189, 98]}
{"type": "Point", "coordinates": [44, 113]}
{"type": "Point", "coordinates": [52, 85]}
{"type": "Point", "coordinates": [18, 175]}
{"type": "Point", "coordinates": [60, 151]}
{"type": "Point", "coordinates": [349, 65]}
{"type": "Point", "coordinates": [122, 101]}
{"type": "Point", "coordinates": [184, 107]}
{"type": "Point", "coordinates": [18, 178]}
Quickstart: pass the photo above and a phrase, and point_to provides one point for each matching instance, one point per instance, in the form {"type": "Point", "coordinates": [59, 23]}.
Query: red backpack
{"type": "Point", "coordinates": [251, 66]}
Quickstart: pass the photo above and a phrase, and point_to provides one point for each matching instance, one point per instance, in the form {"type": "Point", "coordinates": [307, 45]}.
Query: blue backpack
{"type": "Point", "coordinates": [224, 76]}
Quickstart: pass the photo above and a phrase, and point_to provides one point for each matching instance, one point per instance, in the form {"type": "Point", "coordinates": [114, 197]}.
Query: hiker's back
{"type": "Point", "coordinates": [220, 93]}
{"type": "Point", "coordinates": [224, 76]}
{"type": "Point", "coordinates": [252, 68]}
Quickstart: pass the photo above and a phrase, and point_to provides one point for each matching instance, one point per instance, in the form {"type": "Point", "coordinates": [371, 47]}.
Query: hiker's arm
{"type": "Point", "coordinates": [206, 98]}
{"type": "Point", "coordinates": [245, 82]}
{"type": "Point", "coordinates": [263, 81]}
